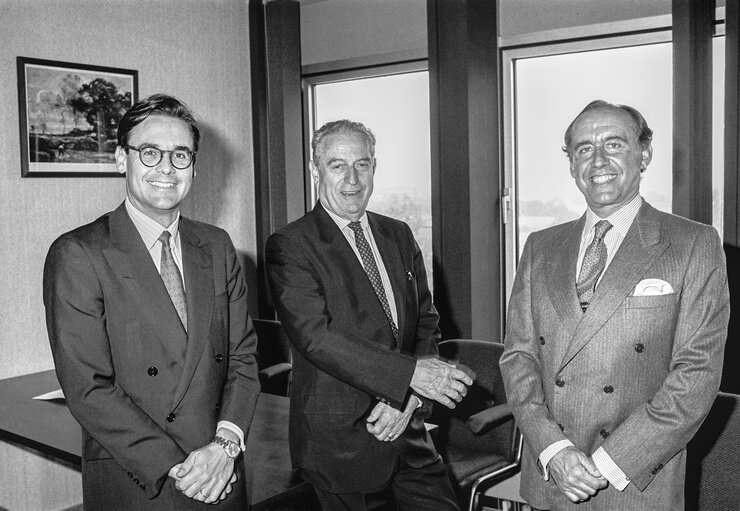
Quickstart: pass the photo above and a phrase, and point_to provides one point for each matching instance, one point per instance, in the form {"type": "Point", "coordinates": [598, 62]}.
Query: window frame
{"type": "Point", "coordinates": [509, 56]}
{"type": "Point", "coordinates": [651, 30]}
{"type": "Point", "coordinates": [309, 82]}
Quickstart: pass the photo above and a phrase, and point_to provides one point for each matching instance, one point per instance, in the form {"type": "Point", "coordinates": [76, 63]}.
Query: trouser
{"type": "Point", "coordinates": [410, 489]}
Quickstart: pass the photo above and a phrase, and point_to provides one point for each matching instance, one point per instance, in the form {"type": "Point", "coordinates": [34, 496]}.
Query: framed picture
{"type": "Point", "coordinates": [69, 115]}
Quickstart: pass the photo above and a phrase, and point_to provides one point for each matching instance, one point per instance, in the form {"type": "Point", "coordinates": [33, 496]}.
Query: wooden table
{"type": "Point", "coordinates": [47, 426]}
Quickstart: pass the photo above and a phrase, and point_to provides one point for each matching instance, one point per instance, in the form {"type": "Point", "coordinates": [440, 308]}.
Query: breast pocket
{"type": "Point", "coordinates": [651, 302]}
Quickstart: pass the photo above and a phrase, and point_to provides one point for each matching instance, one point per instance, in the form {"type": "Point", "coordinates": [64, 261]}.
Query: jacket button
{"type": "Point", "coordinates": [171, 417]}
{"type": "Point", "coordinates": [604, 433]}
{"type": "Point", "coordinates": [219, 358]}
{"type": "Point", "coordinates": [608, 389]}
{"type": "Point", "coordinates": [639, 347]}
{"type": "Point", "coordinates": [136, 481]}
{"type": "Point", "coordinates": [130, 474]}
{"type": "Point", "coordinates": [152, 371]}
{"type": "Point", "coordinates": [560, 382]}
{"type": "Point", "coordinates": [542, 340]}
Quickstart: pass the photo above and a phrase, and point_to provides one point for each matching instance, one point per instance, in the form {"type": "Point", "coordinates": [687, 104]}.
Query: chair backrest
{"type": "Point", "coordinates": [273, 346]}
{"type": "Point", "coordinates": [486, 391]}
{"type": "Point", "coordinates": [713, 462]}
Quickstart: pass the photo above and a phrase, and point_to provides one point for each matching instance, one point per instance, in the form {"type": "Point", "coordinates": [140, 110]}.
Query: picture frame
{"type": "Point", "coordinates": [69, 116]}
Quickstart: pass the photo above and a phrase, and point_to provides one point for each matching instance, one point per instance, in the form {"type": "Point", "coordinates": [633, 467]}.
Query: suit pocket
{"type": "Point", "coordinates": [651, 302]}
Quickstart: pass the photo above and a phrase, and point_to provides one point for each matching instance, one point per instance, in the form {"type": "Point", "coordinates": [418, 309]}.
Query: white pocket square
{"type": "Point", "coordinates": [652, 287]}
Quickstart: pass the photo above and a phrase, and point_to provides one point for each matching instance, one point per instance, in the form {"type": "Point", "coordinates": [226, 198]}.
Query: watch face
{"type": "Point", "coordinates": [232, 450]}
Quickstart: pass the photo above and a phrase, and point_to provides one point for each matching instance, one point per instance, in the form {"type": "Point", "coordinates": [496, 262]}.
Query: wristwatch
{"type": "Point", "coordinates": [232, 448]}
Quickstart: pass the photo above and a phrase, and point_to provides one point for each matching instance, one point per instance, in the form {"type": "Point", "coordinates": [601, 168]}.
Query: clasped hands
{"type": "Point", "coordinates": [207, 474]}
{"type": "Point", "coordinates": [576, 474]}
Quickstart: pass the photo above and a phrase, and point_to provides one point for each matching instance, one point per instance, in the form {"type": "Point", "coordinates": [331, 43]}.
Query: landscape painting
{"type": "Point", "coordinates": [69, 115]}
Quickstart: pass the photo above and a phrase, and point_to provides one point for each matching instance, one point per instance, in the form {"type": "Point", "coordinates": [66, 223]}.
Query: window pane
{"type": "Point", "coordinates": [396, 109]}
{"type": "Point", "coordinates": [551, 91]}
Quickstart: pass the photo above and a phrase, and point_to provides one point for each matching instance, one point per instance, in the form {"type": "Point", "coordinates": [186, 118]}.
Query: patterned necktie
{"type": "Point", "coordinates": [173, 279]}
{"type": "Point", "coordinates": [371, 269]}
{"type": "Point", "coordinates": [594, 261]}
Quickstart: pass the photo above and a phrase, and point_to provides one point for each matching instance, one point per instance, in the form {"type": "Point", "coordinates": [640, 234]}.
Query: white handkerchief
{"type": "Point", "coordinates": [652, 287]}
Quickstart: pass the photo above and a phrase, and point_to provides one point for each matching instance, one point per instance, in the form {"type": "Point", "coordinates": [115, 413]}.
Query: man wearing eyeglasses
{"type": "Point", "coordinates": [153, 347]}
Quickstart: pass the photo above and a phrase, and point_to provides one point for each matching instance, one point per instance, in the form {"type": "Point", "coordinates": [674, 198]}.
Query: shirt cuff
{"type": "Point", "coordinates": [418, 401]}
{"type": "Point", "coordinates": [609, 469]}
{"type": "Point", "coordinates": [549, 453]}
{"type": "Point", "coordinates": [235, 429]}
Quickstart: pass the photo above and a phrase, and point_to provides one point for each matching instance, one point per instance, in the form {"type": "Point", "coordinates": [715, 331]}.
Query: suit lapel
{"type": "Point", "coordinates": [561, 276]}
{"type": "Point", "coordinates": [639, 249]}
{"type": "Point", "coordinates": [199, 289]}
{"type": "Point", "coordinates": [394, 265]}
{"type": "Point", "coordinates": [133, 266]}
{"type": "Point", "coordinates": [344, 259]}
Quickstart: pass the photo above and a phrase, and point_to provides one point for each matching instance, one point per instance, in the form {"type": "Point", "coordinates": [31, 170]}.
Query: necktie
{"type": "Point", "coordinates": [594, 261]}
{"type": "Point", "coordinates": [172, 279]}
{"type": "Point", "coordinates": [371, 269]}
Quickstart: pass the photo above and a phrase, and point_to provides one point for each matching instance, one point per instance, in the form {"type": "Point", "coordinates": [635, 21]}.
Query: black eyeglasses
{"type": "Point", "coordinates": [180, 157]}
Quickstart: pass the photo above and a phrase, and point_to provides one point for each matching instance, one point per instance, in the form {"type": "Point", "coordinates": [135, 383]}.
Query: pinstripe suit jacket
{"type": "Point", "coordinates": [634, 374]}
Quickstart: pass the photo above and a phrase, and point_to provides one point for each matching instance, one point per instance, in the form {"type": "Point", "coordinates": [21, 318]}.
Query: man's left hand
{"type": "Point", "coordinates": [206, 475]}
{"type": "Point", "coordinates": [387, 423]}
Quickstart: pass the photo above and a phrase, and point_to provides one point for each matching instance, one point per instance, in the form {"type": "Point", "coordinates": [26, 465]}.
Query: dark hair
{"type": "Point", "coordinates": [644, 133]}
{"type": "Point", "coordinates": [160, 104]}
{"type": "Point", "coordinates": [340, 126]}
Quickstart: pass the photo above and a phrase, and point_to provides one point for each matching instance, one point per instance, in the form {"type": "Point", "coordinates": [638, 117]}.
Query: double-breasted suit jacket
{"type": "Point", "coordinates": [635, 375]}
{"type": "Point", "coordinates": [145, 391]}
{"type": "Point", "coordinates": [345, 357]}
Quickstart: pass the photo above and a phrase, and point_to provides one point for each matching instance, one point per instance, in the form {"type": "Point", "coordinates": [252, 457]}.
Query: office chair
{"type": "Point", "coordinates": [478, 439]}
{"type": "Point", "coordinates": [713, 459]}
{"type": "Point", "coordinates": [275, 360]}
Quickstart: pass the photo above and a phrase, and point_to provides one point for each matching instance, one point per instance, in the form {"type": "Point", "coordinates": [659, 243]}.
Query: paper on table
{"type": "Point", "coordinates": [49, 396]}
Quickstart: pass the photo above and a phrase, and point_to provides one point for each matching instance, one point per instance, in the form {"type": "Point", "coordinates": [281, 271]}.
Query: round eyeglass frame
{"type": "Point", "coordinates": [162, 152]}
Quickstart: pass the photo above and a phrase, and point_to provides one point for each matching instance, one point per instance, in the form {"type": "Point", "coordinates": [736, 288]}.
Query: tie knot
{"type": "Point", "coordinates": [601, 228]}
{"type": "Point", "coordinates": [164, 238]}
{"type": "Point", "coordinates": [356, 227]}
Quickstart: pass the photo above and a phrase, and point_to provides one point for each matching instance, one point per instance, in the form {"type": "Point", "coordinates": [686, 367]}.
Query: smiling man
{"type": "Point", "coordinates": [153, 347]}
{"type": "Point", "coordinates": [351, 291]}
{"type": "Point", "coordinates": [615, 333]}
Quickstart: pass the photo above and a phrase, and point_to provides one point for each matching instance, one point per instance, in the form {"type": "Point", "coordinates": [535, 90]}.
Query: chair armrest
{"type": "Point", "coordinates": [275, 369]}
{"type": "Point", "coordinates": [483, 421]}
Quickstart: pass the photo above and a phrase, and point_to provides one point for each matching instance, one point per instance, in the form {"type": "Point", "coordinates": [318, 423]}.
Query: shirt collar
{"type": "Point", "coordinates": [621, 219]}
{"type": "Point", "coordinates": [149, 230]}
{"type": "Point", "coordinates": [343, 223]}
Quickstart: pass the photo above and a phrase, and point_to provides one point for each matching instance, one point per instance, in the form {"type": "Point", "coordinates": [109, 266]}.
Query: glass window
{"type": "Point", "coordinates": [547, 87]}
{"type": "Point", "coordinates": [551, 90]}
{"type": "Point", "coordinates": [396, 109]}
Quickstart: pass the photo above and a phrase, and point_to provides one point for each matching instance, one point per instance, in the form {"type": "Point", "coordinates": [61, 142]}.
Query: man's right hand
{"type": "Point", "coordinates": [576, 474]}
{"type": "Point", "coordinates": [440, 381]}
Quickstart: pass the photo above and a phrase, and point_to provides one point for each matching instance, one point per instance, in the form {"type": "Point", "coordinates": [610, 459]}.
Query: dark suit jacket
{"type": "Point", "coordinates": [634, 374]}
{"type": "Point", "coordinates": [345, 358]}
{"type": "Point", "coordinates": [146, 392]}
